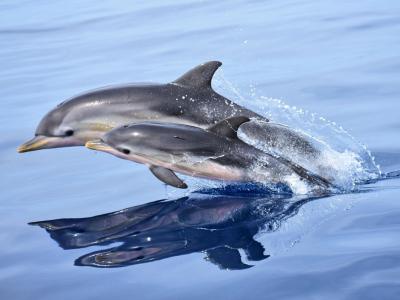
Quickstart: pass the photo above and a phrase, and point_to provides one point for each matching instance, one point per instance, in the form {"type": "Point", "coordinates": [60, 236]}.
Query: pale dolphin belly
{"type": "Point", "coordinates": [209, 169]}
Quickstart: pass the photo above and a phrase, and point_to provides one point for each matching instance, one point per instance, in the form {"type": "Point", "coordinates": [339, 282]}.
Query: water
{"type": "Point", "coordinates": [336, 60]}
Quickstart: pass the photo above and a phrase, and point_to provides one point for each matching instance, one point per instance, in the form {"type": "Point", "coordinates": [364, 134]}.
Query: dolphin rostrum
{"type": "Point", "coordinates": [213, 153]}
{"type": "Point", "coordinates": [189, 100]}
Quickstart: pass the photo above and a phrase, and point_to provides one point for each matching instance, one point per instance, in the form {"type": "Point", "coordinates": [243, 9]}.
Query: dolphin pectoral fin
{"type": "Point", "coordinates": [200, 76]}
{"type": "Point", "coordinates": [228, 127]}
{"type": "Point", "coordinates": [168, 177]}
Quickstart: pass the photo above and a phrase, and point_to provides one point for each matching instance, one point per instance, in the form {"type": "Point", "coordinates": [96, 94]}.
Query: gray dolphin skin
{"type": "Point", "coordinates": [188, 100]}
{"type": "Point", "coordinates": [213, 153]}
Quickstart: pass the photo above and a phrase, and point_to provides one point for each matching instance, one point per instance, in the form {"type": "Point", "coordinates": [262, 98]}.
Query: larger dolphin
{"type": "Point", "coordinates": [189, 100]}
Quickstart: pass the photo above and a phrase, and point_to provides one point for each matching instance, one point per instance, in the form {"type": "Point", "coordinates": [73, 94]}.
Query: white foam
{"type": "Point", "coordinates": [297, 185]}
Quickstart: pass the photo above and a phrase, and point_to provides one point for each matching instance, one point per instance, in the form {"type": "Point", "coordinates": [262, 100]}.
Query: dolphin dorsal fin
{"type": "Point", "coordinates": [228, 127]}
{"type": "Point", "coordinates": [200, 76]}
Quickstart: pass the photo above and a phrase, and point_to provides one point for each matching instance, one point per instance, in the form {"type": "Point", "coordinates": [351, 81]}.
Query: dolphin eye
{"type": "Point", "coordinates": [69, 132]}
{"type": "Point", "coordinates": [124, 151]}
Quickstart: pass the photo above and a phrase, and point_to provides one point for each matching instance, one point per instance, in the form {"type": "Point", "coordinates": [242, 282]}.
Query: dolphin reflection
{"type": "Point", "coordinates": [217, 225]}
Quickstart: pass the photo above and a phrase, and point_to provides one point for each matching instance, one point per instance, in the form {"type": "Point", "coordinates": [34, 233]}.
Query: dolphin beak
{"type": "Point", "coordinates": [98, 145]}
{"type": "Point", "coordinates": [37, 143]}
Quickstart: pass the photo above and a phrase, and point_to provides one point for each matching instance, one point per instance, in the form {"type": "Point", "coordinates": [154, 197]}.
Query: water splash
{"type": "Point", "coordinates": [338, 155]}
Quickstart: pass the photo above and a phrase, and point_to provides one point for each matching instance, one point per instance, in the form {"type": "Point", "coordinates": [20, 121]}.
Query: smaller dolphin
{"type": "Point", "coordinates": [213, 153]}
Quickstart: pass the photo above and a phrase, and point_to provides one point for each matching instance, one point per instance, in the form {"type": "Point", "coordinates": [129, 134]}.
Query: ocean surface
{"type": "Point", "coordinates": [76, 224]}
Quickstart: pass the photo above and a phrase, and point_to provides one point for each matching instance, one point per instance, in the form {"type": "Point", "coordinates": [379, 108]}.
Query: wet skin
{"type": "Point", "coordinates": [189, 100]}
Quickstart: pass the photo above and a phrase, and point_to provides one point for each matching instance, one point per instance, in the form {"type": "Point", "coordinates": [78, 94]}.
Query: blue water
{"type": "Point", "coordinates": [337, 59]}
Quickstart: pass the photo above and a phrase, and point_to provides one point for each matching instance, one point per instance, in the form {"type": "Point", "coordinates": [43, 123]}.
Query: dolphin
{"type": "Point", "coordinates": [213, 153]}
{"type": "Point", "coordinates": [189, 100]}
